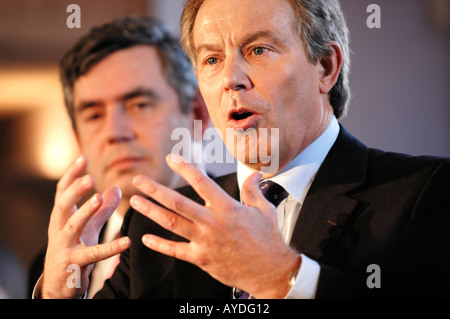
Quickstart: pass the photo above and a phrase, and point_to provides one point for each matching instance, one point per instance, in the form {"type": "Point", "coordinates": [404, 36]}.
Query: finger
{"type": "Point", "coordinates": [89, 255]}
{"type": "Point", "coordinates": [169, 198]}
{"type": "Point", "coordinates": [111, 200]}
{"type": "Point", "coordinates": [205, 187]}
{"type": "Point", "coordinates": [96, 210]}
{"type": "Point", "coordinates": [179, 250]}
{"type": "Point", "coordinates": [66, 201]}
{"type": "Point", "coordinates": [76, 223]}
{"type": "Point", "coordinates": [163, 217]}
{"type": "Point", "coordinates": [74, 171]}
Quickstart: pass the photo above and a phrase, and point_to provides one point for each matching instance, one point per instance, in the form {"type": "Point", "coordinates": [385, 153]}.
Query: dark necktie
{"type": "Point", "coordinates": [274, 193]}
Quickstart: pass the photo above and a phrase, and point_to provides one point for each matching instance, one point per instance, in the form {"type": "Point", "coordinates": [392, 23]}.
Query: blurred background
{"type": "Point", "coordinates": [400, 84]}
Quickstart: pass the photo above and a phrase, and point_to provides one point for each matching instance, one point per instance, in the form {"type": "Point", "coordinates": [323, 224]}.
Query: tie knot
{"type": "Point", "coordinates": [273, 192]}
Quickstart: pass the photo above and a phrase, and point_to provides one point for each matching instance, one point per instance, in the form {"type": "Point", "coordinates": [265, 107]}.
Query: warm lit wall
{"type": "Point", "coordinates": [47, 132]}
{"type": "Point", "coordinates": [36, 140]}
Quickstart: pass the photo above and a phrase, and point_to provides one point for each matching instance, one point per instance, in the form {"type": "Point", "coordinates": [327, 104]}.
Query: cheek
{"type": "Point", "coordinates": [91, 147]}
{"type": "Point", "coordinates": [155, 137]}
{"type": "Point", "coordinates": [298, 95]}
{"type": "Point", "coordinates": [159, 136]}
{"type": "Point", "coordinates": [213, 96]}
{"type": "Point", "coordinates": [217, 120]}
{"type": "Point", "coordinates": [293, 99]}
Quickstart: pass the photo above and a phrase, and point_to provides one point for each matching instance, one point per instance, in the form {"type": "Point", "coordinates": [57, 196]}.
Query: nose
{"type": "Point", "coordinates": [235, 76]}
{"type": "Point", "coordinates": [118, 126]}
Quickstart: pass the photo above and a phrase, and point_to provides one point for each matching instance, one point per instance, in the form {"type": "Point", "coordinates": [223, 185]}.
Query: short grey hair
{"type": "Point", "coordinates": [319, 23]}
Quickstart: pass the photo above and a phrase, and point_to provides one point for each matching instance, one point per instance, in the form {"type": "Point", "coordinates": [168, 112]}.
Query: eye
{"type": "Point", "coordinates": [91, 114]}
{"type": "Point", "coordinates": [142, 105]}
{"type": "Point", "coordinates": [259, 50]}
{"type": "Point", "coordinates": [139, 106]}
{"type": "Point", "coordinates": [211, 61]}
{"type": "Point", "coordinates": [93, 117]}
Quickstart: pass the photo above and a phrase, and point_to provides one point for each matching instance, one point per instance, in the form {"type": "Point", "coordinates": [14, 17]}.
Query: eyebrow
{"type": "Point", "coordinates": [257, 35]}
{"type": "Point", "coordinates": [245, 41]}
{"type": "Point", "coordinates": [207, 47]}
{"type": "Point", "coordinates": [140, 91]}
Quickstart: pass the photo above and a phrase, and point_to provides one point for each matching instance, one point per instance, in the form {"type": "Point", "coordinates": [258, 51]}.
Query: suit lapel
{"type": "Point", "coordinates": [206, 286]}
{"type": "Point", "coordinates": [323, 216]}
{"type": "Point", "coordinates": [327, 206]}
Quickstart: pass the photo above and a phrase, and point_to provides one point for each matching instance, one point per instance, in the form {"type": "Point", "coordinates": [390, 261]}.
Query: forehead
{"type": "Point", "coordinates": [122, 72]}
{"type": "Point", "coordinates": [230, 20]}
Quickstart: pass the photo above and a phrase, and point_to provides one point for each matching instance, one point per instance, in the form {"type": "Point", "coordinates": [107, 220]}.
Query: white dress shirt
{"type": "Point", "coordinates": [105, 268]}
{"type": "Point", "coordinates": [296, 178]}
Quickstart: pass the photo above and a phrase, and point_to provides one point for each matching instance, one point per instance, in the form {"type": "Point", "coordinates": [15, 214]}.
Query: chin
{"type": "Point", "coordinates": [124, 182]}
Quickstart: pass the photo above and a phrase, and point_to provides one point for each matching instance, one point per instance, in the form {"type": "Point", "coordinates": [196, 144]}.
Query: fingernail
{"type": "Point", "coordinates": [124, 241]}
{"type": "Point", "coordinates": [94, 200]}
{"type": "Point", "coordinates": [136, 202]}
{"type": "Point", "coordinates": [87, 181]}
{"type": "Point", "coordinates": [174, 159]}
{"type": "Point", "coordinates": [80, 160]}
{"type": "Point", "coordinates": [147, 240]}
{"type": "Point", "coordinates": [256, 177]}
{"type": "Point", "coordinates": [139, 181]}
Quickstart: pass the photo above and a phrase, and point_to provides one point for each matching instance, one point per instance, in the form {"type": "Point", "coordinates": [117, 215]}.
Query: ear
{"type": "Point", "coordinates": [329, 67]}
{"type": "Point", "coordinates": [199, 111]}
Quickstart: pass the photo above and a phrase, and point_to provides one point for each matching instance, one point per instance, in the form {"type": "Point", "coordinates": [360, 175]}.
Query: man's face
{"type": "Point", "coordinates": [125, 111]}
{"type": "Point", "coordinates": [253, 72]}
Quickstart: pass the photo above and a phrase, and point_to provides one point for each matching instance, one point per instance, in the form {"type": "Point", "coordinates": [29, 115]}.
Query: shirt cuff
{"type": "Point", "coordinates": [307, 278]}
{"type": "Point", "coordinates": [36, 294]}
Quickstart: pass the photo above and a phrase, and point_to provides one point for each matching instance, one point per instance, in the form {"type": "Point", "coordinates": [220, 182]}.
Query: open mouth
{"type": "Point", "coordinates": [242, 118]}
{"type": "Point", "coordinates": [242, 115]}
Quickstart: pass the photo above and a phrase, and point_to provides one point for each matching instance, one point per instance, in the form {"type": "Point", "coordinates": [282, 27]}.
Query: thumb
{"type": "Point", "coordinates": [251, 194]}
{"type": "Point", "coordinates": [111, 199]}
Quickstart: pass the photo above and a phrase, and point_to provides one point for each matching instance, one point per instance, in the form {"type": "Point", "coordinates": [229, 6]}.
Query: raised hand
{"type": "Point", "coordinates": [238, 244]}
{"type": "Point", "coordinates": [73, 233]}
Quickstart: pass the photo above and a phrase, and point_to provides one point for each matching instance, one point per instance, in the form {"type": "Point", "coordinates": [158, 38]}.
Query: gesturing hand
{"type": "Point", "coordinates": [73, 233]}
{"type": "Point", "coordinates": [237, 244]}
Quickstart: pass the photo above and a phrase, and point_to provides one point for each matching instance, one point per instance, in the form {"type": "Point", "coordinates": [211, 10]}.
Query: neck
{"type": "Point", "coordinates": [123, 207]}
{"type": "Point", "coordinates": [288, 152]}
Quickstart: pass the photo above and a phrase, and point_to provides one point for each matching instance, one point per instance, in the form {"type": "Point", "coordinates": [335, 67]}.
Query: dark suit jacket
{"type": "Point", "coordinates": [364, 207]}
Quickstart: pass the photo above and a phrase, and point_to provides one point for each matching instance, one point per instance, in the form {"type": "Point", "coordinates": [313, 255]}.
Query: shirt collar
{"type": "Point", "coordinates": [298, 175]}
{"type": "Point", "coordinates": [113, 226]}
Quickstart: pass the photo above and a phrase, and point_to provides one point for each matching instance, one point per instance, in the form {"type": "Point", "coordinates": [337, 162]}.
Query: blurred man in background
{"type": "Point", "coordinates": [127, 85]}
